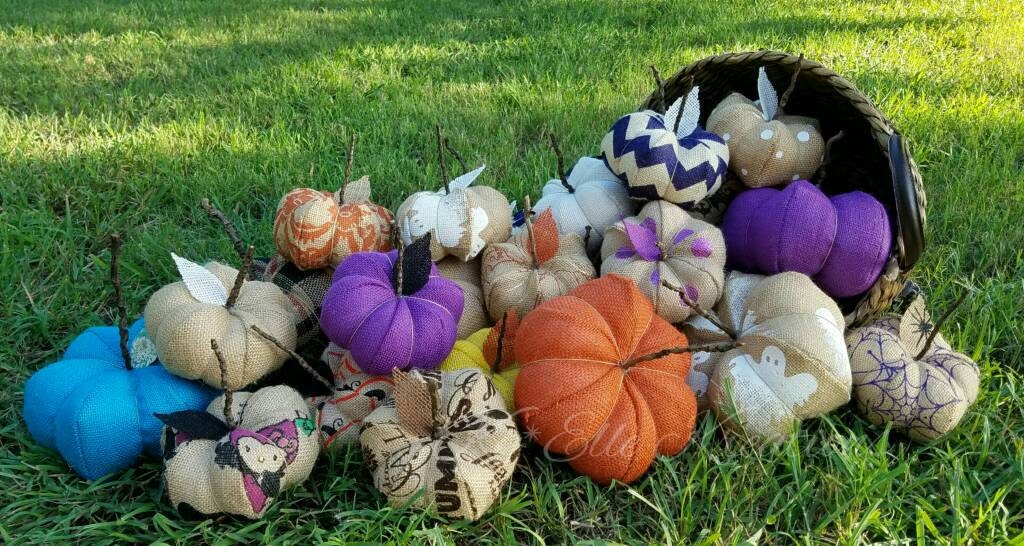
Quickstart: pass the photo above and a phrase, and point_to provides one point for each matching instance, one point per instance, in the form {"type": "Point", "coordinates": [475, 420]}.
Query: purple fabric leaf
{"type": "Point", "coordinates": [701, 247]}
{"type": "Point", "coordinates": [644, 238]}
{"type": "Point", "coordinates": [682, 235]}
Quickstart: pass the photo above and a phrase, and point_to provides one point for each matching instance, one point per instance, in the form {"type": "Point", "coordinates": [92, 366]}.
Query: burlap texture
{"type": "Point", "coordinates": [925, 399]}
{"type": "Point", "coordinates": [463, 459]}
{"type": "Point", "coordinates": [479, 351]}
{"type": "Point", "coordinates": [271, 449]}
{"type": "Point", "coordinates": [793, 363]}
{"type": "Point", "coordinates": [306, 290]}
{"type": "Point", "coordinates": [462, 222]}
{"type": "Point", "coordinates": [356, 394]}
{"type": "Point", "coordinates": [513, 281]}
{"type": "Point", "coordinates": [181, 328]}
{"type": "Point", "coordinates": [766, 153]}
{"type": "Point", "coordinates": [312, 229]}
{"type": "Point", "coordinates": [467, 276]}
{"type": "Point", "coordinates": [692, 257]}
{"type": "Point", "coordinates": [575, 394]}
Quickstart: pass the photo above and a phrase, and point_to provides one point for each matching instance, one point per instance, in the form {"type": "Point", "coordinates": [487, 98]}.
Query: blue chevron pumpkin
{"type": "Point", "coordinates": [642, 149]}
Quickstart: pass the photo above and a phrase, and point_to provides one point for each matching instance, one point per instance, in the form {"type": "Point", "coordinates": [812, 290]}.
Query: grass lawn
{"type": "Point", "coordinates": [119, 117]}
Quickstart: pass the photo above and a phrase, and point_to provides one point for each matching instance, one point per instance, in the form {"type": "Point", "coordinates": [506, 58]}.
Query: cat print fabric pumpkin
{"type": "Point", "coordinates": [356, 394]}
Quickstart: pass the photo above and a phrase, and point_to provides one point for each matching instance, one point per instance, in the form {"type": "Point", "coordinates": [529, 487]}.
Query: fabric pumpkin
{"type": "Point", "coordinates": [665, 243]}
{"type": "Point", "coordinates": [525, 272]}
{"type": "Point", "coordinates": [926, 397]}
{"type": "Point", "coordinates": [585, 390]}
{"type": "Point", "coordinates": [388, 324]}
{"type": "Point", "coordinates": [481, 351]}
{"type": "Point", "coordinates": [467, 276]}
{"type": "Point", "coordinates": [182, 317]}
{"type": "Point", "coordinates": [462, 219]}
{"type": "Point", "coordinates": [591, 196]}
{"type": "Point", "coordinates": [305, 288]}
{"type": "Point", "coordinates": [682, 166]}
{"type": "Point", "coordinates": [843, 241]}
{"type": "Point", "coordinates": [97, 413]}
{"type": "Point", "coordinates": [447, 443]}
{"type": "Point", "coordinates": [315, 229]}
{"type": "Point", "coordinates": [212, 468]}
{"type": "Point", "coordinates": [767, 146]}
{"type": "Point", "coordinates": [356, 394]}
{"type": "Point", "coordinates": [792, 364]}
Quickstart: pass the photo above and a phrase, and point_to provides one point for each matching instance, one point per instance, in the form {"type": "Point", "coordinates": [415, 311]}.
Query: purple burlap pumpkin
{"type": "Point", "coordinates": [842, 241]}
{"type": "Point", "coordinates": [388, 324]}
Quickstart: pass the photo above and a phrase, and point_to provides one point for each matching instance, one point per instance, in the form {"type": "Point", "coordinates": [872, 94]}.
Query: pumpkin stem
{"type": "Point", "coordinates": [792, 83]}
{"type": "Point", "coordinates": [586, 236]}
{"type": "Point", "coordinates": [294, 356]}
{"type": "Point", "coordinates": [561, 163]}
{"type": "Point", "coordinates": [122, 313]}
{"type": "Point", "coordinates": [700, 310]}
{"type": "Point", "coordinates": [229, 419]}
{"type": "Point", "coordinates": [351, 157]}
{"type": "Point", "coordinates": [708, 348]}
{"type": "Point", "coordinates": [689, 87]}
{"type": "Point", "coordinates": [399, 267]}
{"type": "Point", "coordinates": [240, 278]}
{"type": "Point", "coordinates": [532, 249]}
{"type": "Point", "coordinates": [228, 226]}
{"type": "Point", "coordinates": [500, 343]}
{"type": "Point", "coordinates": [942, 320]}
{"type": "Point", "coordinates": [435, 424]}
{"type": "Point", "coordinates": [661, 87]}
{"type": "Point", "coordinates": [440, 157]}
{"type": "Point", "coordinates": [455, 153]}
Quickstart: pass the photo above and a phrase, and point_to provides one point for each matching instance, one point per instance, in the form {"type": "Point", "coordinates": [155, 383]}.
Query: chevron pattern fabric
{"type": "Point", "coordinates": [655, 164]}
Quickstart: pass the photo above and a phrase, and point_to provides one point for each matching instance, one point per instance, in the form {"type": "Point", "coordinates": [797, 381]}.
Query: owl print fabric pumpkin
{"type": "Point", "coordinates": [602, 380]}
{"type": "Point", "coordinates": [356, 394]}
{"type": "Point", "coordinates": [490, 350]}
{"type": "Point", "coordinates": [767, 147]}
{"type": "Point", "coordinates": [447, 444]}
{"type": "Point", "coordinates": [664, 243]}
{"type": "Point", "coordinates": [667, 156]}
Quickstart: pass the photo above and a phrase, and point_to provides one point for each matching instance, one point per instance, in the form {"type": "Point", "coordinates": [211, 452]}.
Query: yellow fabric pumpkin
{"type": "Point", "coordinates": [480, 350]}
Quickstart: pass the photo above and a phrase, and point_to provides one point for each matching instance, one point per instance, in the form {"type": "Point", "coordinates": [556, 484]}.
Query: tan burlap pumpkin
{"type": "Point", "coordinates": [449, 436]}
{"type": "Point", "coordinates": [664, 243]}
{"type": "Point", "coordinates": [536, 265]}
{"type": "Point", "coordinates": [792, 364]}
{"type": "Point", "coordinates": [922, 389]}
{"type": "Point", "coordinates": [212, 466]}
{"type": "Point", "coordinates": [767, 146]}
{"type": "Point", "coordinates": [182, 317]}
{"type": "Point", "coordinates": [467, 276]}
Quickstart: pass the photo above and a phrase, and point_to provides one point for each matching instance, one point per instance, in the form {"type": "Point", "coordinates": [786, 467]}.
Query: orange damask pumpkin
{"type": "Point", "coordinates": [603, 380]}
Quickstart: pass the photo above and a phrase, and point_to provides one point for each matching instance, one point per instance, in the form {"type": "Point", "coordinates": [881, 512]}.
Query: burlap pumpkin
{"type": "Point", "coordinates": [766, 146]}
{"type": "Point", "coordinates": [792, 364]}
{"type": "Point", "coordinates": [595, 385]}
{"type": "Point", "coordinates": [315, 229]}
{"type": "Point", "coordinates": [212, 468]}
{"type": "Point", "coordinates": [591, 196]}
{"type": "Point", "coordinates": [182, 317]}
{"type": "Point", "coordinates": [356, 394]}
{"type": "Point", "coordinates": [533, 267]}
{"type": "Point", "coordinates": [665, 243]}
{"type": "Point", "coordinates": [462, 219]}
{"type": "Point", "coordinates": [924, 397]}
{"type": "Point", "coordinates": [467, 276]}
{"type": "Point", "coordinates": [448, 441]}
{"type": "Point", "coordinates": [659, 160]}
{"type": "Point", "coordinates": [490, 350]}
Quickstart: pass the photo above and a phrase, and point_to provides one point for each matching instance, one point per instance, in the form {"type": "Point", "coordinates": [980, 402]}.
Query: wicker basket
{"type": "Point", "coordinates": [871, 156]}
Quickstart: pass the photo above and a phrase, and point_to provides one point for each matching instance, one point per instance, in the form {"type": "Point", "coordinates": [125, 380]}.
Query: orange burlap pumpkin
{"type": "Point", "coordinates": [315, 229]}
{"type": "Point", "coordinates": [584, 389]}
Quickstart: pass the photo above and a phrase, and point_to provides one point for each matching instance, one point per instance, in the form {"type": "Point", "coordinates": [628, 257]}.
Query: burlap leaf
{"type": "Point", "coordinates": [545, 236]}
{"type": "Point", "coordinates": [689, 119]}
{"type": "Point", "coordinates": [415, 265]}
{"type": "Point", "coordinates": [203, 285]}
{"type": "Point", "coordinates": [357, 191]}
{"type": "Point", "coordinates": [199, 425]}
{"type": "Point", "coordinates": [501, 338]}
{"type": "Point", "coordinates": [416, 401]}
{"type": "Point", "coordinates": [767, 97]}
{"type": "Point", "coordinates": [915, 325]}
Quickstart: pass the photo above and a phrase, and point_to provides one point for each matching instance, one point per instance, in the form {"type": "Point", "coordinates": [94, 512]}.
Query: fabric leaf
{"type": "Point", "coordinates": [415, 265]}
{"type": "Point", "coordinates": [200, 282]}
{"type": "Point", "coordinates": [198, 425]}
{"type": "Point", "coordinates": [672, 114]}
{"type": "Point", "coordinates": [767, 96]}
{"type": "Point", "coordinates": [690, 117]}
{"type": "Point", "coordinates": [357, 191]}
{"type": "Point", "coordinates": [510, 323]}
{"type": "Point", "coordinates": [415, 401]}
{"type": "Point", "coordinates": [465, 180]}
{"type": "Point", "coordinates": [545, 235]}
{"type": "Point", "coordinates": [644, 238]}
{"type": "Point", "coordinates": [916, 325]}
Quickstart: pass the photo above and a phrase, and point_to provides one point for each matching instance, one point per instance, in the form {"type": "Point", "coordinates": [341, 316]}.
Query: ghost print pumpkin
{"type": "Point", "coordinates": [490, 350]}
{"type": "Point", "coordinates": [355, 395]}
{"type": "Point", "coordinates": [240, 454]}
{"type": "Point", "coordinates": [667, 156]}
{"type": "Point", "coordinates": [602, 380]}
{"type": "Point", "coordinates": [907, 376]}
{"type": "Point", "coordinates": [183, 316]}
{"type": "Point", "coordinates": [467, 276]}
{"type": "Point", "coordinates": [791, 363]}
{"type": "Point", "coordinates": [767, 147]}
{"type": "Point", "coordinates": [392, 310]}
{"type": "Point", "coordinates": [533, 267]}
{"type": "Point", "coordinates": [447, 444]}
{"type": "Point", "coordinates": [665, 243]}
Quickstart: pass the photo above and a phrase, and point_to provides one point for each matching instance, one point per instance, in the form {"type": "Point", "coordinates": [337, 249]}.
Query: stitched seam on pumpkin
{"type": "Point", "coordinates": [78, 424]}
{"type": "Point", "coordinates": [636, 421]}
{"type": "Point", "coordinates": [591, 384]}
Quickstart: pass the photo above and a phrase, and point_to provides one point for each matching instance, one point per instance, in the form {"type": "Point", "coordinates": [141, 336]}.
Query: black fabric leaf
{"type": "Point", "coordinates": [415, 265]}
{"type": "Point", "coordinates": [199, 425]}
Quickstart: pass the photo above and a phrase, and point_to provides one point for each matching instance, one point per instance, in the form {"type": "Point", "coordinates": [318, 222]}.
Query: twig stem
{"type": "Point", "coordinates": [527, 212]}
{"type": "Point", "coordinates": [229, 419]}
{"type": "Point", "coordinates": [441, 141]}
{"type": "Point", "coordinates": [229, 227]}
{"type": "Point", "coordinates": [399, 267]}
{"type": "Point", "coordinates": [709, 348]}
{"type": "Point", "coordinates": [240, 279]}
{"type": "Point", "coordinates": [501, 340]}
{"type": "Point", "coordinates": [455, 153]}
{"type": "Point", "coordinates": [351, 157]}
{"type": "Point", "coordinates": [561, 163]}
{"type": "Point", "coordinates": [122, 313]}
{"type": "Point", "coordinates": [295, 356]}
{"type": "Point", "coordinates": [700, 310]}
{"type": "Point", "coordinates": [792, 83]}
{"type": "Point", "coordinates": [942, 320]}
{"type": "Point", "coordinates": [661, 87]}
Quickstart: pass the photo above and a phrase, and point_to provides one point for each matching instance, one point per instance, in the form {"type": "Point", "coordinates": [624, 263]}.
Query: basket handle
{"type": "Point", "coordinates": [909, 226]}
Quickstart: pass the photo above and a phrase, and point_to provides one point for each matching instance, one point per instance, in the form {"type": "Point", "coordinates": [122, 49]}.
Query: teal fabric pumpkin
{"type": "Point", "coordinates": [97, 413]}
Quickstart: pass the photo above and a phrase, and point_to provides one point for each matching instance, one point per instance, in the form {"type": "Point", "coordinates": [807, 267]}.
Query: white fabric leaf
{"type": "Point", "coordinates": [672, 114]}
{"type": "Point", "coordinates": [690, 117]}
{"type": "Point", "coordinates": [202, 284]}
{"type": "Point", "coordinates": [464, 181]}
{"type": "Point", "coordinates": [766, 95]}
